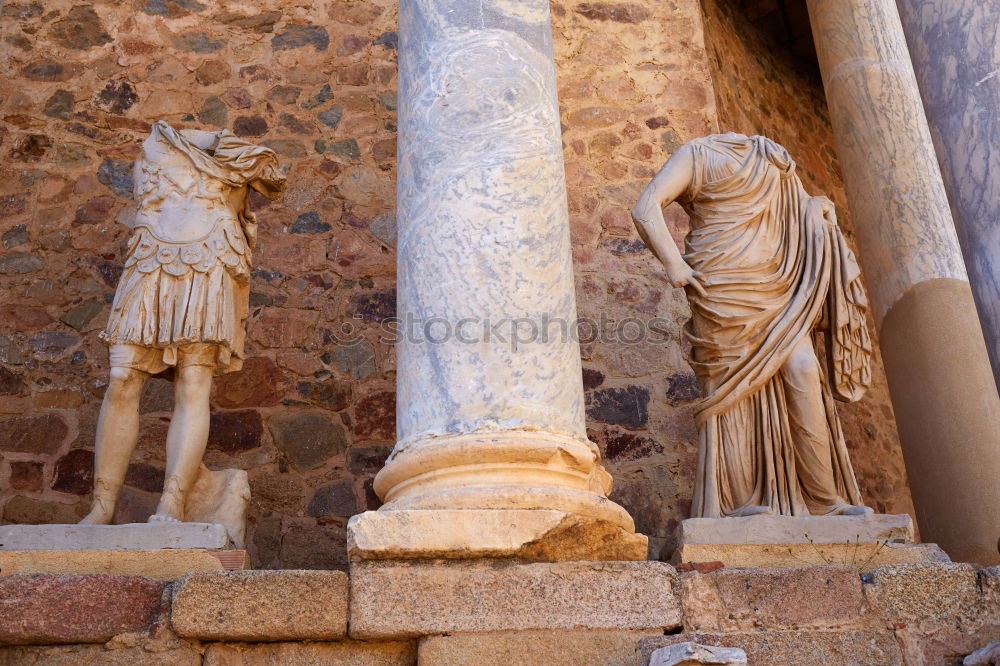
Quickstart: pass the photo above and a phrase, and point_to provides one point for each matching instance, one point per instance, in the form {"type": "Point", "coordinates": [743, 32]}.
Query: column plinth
{"type": "Point", "coordinates": [491, 438]}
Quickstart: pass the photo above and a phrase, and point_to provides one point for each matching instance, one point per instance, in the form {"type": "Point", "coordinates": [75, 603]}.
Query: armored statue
{"type": "Point", "coordinates": [764, 265]}
{"type": "Point", "coordinates": [181, 305]}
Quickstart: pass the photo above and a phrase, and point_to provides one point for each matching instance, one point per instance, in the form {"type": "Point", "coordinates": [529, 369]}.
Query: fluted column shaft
{"type": "Point", "coordinates": [943, 393]}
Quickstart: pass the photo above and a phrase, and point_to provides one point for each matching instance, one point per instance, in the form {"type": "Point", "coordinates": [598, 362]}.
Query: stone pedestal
{"type": "Point", "coordinates": [490, 410]}
{"type": "Point", "coordinates": [788, 541]}
{"type": "Point", "coordinates": [943, 393]}
{"type": "Point", "coordinates": [539, 535]}
{"type": "Point", "coordinates": [163, 550]}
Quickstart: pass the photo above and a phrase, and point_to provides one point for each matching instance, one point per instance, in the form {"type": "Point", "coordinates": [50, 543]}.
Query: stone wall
{"type": "Point", "coordinates": [311, 417]}
{"type": "Point", "coordinates": [762, 89]}
{"type": "Point", "coordinates": [491, 613]}
{"type": "Point", "coordinates": [634, 85]}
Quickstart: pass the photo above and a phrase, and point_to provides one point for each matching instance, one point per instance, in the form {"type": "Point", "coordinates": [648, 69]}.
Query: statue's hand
{"type": "Point", "coordinates": [682, 275]}
{"type": "Point", "coordinates": [827, 210]}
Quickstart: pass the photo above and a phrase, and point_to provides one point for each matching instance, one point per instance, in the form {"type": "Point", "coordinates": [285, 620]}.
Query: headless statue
{"type": "Point", "coordinates": [765, 263]}
{"type": "Point", "coordinates": [181, 302]}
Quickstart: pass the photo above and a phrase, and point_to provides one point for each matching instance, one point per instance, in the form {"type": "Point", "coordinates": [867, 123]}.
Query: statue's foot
{"type": "Point", "coordinates": [99, 515]}
{"type": "Point", "coordinates": [169, 510]}
{"type": "Point", "coordinates": [857, 510]}
{"type": "Point", "coordinates": [162, 518]}
{"type": "Point", "coordinates": [752, 510]}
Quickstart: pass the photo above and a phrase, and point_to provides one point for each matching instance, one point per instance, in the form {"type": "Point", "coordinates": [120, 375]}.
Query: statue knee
{"type": "Point", "coordinates": [194, 384]}
{"type": "Point", "coordinates": [802, 365]}
{"type": "Point", "coordinates": [125, 383]}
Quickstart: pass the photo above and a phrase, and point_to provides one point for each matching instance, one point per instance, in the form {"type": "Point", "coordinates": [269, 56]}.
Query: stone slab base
{"type": "Point", "coordinates": [165, 564]}
{"type": "Point", "coordinates": [257, 606]}
{"type": "Point", "coordinates": [134, 536]}
{"type": "Point", "coordinates": [802, 648]}
{"type": "Point", "coordinates": [795, 529]}
{"type": "Point", "coordinates": [794, 541]}
{"type": "Point", "coordinates": [590, 647]}
{"type": "Point", "coordinates": [863, 556]}
{"type": "Point", "coordinates": [501, 613]}
{"type": "Point", "coordinates": [540, 535]}
{"type": "Point", "coordinates": [408, 599]}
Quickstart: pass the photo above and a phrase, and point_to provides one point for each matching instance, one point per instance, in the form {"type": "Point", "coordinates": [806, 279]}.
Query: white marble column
{"type": "Point", "coordinates": [490, 414]}
{"type": "Point", "coordinates": [945, 400]}
{"type": "Point", "coordinates": [955, 48]}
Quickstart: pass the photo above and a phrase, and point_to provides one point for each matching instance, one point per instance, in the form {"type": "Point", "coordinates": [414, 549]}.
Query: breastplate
{"type": "Point", "coordinates": [185, 222]}
{"type": "Point", "coordinates": [177, 203]}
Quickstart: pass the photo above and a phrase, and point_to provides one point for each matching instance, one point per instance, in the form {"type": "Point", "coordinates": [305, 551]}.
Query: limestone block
{"type": "Point", "coordinates": [526, 535]}
{"type": "Point", "coordinates": [863, 556]}
{"type": "Point", "coordinates": [261, 605]}
{"type": "Point", "coordinates": [747, 599]}
{"type": "Point", "coordinates": [167, 564]}
{"type": "Point", "coordinates": [801, 648]}
{"type": "Point", "coordinates": [941, 613]}
{"type": "Point", "coordinates": [88, 655]}
{"type": "Point", "coordinates": [767, 529]}
{"type": "Point", "coordinates": [44, 608]}
{"type": "Point", "coordinates": [552, 648]}
{"type": "Point", "coordinates": [395, 600]}
{"type": "Point", "coordinates": [692, 654]}
{"type": "Point", "coordinates": [135, 536]}
{"type": "Point", "coordinates": [343, 653]}
{"type": "Point", "coordinates": [927, 594]}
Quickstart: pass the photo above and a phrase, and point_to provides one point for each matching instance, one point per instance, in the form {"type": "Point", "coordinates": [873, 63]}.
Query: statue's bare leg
{"type": "Point", "coordinates": [186, 439]}
{"type": "Point", "coordinates": [117, 432]}
{"type": "Point", "coordinates": [811, 433]}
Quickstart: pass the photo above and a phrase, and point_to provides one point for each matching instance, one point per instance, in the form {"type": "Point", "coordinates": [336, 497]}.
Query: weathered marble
{"type": "Point", "coordinates": [137, 536]}
{"type": "Point", "coordinates": [182, 303]}
{"type": "Point", "coordinates": [943, 393]}
{"type": "Point", "coordinates": [690, 654]}
{"type": "Point", "coordinates": [795, 529]}
{"type": "Point", "coordinates": [955, 49]}
{"type": "Point", "coordinates": [792, 541]}
{"type": "Point", "coordinates": [490, 411]}
{"type": "Point", "coordinates": [767, 255]}
{"type": "Point", "coordinates": [905, 235]}
{"type": "Point", "coordinates": [537, 535]}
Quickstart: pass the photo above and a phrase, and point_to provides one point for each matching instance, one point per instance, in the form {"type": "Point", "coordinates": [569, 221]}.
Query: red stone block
{"type": "Point", "coordinates": [65, 608]}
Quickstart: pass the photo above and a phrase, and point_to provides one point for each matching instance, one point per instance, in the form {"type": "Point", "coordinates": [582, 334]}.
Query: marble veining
{"type": "Point", "coordinates": [879, 123]}
{"type": "Point", "coordinates": [955, 49]}
{"type": "Point", "coordinates": [483, 228]}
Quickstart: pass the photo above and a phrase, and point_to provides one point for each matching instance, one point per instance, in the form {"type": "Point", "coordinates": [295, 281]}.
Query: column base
{"type": "Point", "coordinates": [524, 535]}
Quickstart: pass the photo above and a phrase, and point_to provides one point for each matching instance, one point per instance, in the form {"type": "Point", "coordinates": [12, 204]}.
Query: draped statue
{"type": "Point", "coordinates": [182, 304]}
{"type": "Point", "coordinates": [765, 263]}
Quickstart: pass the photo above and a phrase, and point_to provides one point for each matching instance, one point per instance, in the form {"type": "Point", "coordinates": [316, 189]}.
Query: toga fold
{"type": "Point", "coordinates": [774, 265]}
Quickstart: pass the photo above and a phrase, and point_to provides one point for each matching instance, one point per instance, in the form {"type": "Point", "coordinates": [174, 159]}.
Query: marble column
{"type": "Point", "coordinates": [491, 451]}
{"type": "Point", "coordinates": [955, 49]}
{"type": "Point", "coordinates": [943, 393]}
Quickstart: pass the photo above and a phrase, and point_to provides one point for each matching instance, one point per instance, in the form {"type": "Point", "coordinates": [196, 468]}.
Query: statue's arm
{"type": "Point", "coordinates": [647, 214]}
